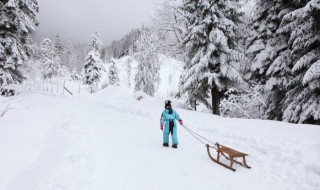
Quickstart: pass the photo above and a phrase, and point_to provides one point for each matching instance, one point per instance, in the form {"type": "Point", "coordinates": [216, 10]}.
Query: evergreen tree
{"type": "Point", "coordinates": [80, 53]}
{"type": "Point", "coordinates": [302, 25]}
{"type": "Point", "coordinates": [69, 54]}
{"type": "Point", "coordinates": [58, 46]}
{"type": "Point", "coordinates": [30, 48]}
{"type": "Point", "coordinates": [114, 74]}
{"type": "Point", "coordinates": [93, 67]}
{"type": "Point", "coordinates": [147, 77]}
{"type": "Point", "coordinates": [17, 18]}
{"type": "Point", "coordinates": [269, 53]}
{"type": "Point", "coordinates": [212, 49]}
{"type": "Point", "coordinates": [49, 65]}
{"type": "Point", "coordinates": [58, 50]}
{"type": "Point", "coordinates": [96, 44]}
{"type": "Point", "coordinates": [283, 52]}
{"type": "Point", "coordinates": [129, 71]}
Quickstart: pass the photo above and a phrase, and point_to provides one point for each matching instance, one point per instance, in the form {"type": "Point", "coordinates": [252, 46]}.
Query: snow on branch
{"type": "Point", "coordinates": [312, 73]}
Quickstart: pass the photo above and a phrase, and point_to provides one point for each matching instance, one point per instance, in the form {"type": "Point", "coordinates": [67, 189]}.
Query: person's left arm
{"type": "Point", "coordinates": [178, 118]}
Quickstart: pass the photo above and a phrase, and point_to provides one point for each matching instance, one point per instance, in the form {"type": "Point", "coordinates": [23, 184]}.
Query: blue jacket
{"type": "Point", "coordinates": [165, 117]}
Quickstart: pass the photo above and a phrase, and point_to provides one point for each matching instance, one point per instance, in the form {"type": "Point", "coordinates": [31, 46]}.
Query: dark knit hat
{"type": "Point", "coordinates": [167, 103]}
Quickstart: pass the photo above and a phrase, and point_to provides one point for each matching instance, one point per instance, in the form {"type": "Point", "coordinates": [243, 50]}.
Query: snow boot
{"type": "Point", "coordinates": [174, 146]}
{"type": "Point", "coordinates": [166, 144]}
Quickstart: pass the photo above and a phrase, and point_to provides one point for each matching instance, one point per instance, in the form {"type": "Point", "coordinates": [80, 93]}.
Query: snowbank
{"type": "Point", "coordinates": [110, 140]}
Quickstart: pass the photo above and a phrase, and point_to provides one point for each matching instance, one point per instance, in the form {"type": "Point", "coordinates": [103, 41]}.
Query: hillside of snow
{"type": "Point", "coordinates": [110, 140]}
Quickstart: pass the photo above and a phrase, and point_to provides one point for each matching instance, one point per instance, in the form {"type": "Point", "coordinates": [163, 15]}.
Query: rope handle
{"type": "Point", "coordinates": [199, 137]}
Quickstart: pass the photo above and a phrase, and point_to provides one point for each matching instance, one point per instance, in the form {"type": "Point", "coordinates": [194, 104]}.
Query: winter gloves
{"type": "Point", "coordinates": [161, 127]}
{"type": "Point", "coordinates": [181, 122]}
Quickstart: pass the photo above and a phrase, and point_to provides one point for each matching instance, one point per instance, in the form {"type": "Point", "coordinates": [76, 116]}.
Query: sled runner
{"type": "Point", "coordinates": [229, 154]}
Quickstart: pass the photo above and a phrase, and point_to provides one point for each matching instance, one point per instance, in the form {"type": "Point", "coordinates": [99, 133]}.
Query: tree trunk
{"type": "Point", "coordinates": [216, 97]}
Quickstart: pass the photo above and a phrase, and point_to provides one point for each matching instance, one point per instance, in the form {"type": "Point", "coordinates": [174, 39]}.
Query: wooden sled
{"type": "Point", "coordinates": [229, 154]}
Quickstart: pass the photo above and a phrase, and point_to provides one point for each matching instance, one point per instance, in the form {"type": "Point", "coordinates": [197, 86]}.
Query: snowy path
{"type": "Point", "coordinates": [111, 141]}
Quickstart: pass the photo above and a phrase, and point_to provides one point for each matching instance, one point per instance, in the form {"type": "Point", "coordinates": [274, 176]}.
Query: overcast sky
{"type": "Point", "coordinates": [78, 19]}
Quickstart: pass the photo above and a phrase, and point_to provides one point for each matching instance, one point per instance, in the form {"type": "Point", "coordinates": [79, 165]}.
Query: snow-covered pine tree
{"type": "Point", "coordinates": [93, 67]}
{"type": "Point", "coordinates": [17, 20]}
{"type": "Point", "coordinates": [147, 77]}
{"type": "Point", "coordinates": [58, 49]}
{"type": "Point", "coordinates": [80, 53]}
{"type": "Point", "coordinates": [30, 47]}
{"type": "Point", "coordinates": [96, 44]}
{"type": "Point", "coordinates": [113, 74]}
{"type": "Point", "coordinates": [58, 46]}
{"type": "Point", "coordinates": [302, 24]}
{"type": "Point", "coordinates": [269, 53]}
{"type": "Point", "coordinates": [69, 54]}
{"type": "Point", "coordinates": [129, 71]}
{"type": "Point", "coordinates": [212, 50]}
{"type": "Point", "coordinates": [49, 66]}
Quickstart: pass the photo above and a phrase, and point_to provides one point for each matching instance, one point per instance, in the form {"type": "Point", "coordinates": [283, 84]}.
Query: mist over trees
{"type": "Point", "coordinates": [124, 46]}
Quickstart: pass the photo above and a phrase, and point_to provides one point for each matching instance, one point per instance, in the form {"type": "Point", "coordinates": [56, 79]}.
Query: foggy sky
{"type": "Point", "coordinates": [78, 19]}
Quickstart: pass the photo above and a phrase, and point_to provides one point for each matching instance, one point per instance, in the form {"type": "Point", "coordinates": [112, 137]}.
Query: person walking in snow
{"type": "Point", "coordinates": [168, 124]}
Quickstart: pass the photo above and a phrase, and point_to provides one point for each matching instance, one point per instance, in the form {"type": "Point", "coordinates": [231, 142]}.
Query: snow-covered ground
{"type": "Point", "coordinates": [109, 140]}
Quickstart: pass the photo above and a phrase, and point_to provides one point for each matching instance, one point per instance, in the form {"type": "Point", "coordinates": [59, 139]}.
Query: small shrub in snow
{"type": "Point", "coordinates": [139, 95]}
{"type": "Point", "coordinates": [104, 85]}
{"type": "Point", "coordinates": [7, 92]}
{"type": "Point", "coordinates": [74, 76]}
{"type": "Point", "coordinates": [249, 105]}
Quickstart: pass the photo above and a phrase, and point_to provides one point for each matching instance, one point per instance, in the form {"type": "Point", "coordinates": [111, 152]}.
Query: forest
{"type": "Point", "coordinates": [257, 63]}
